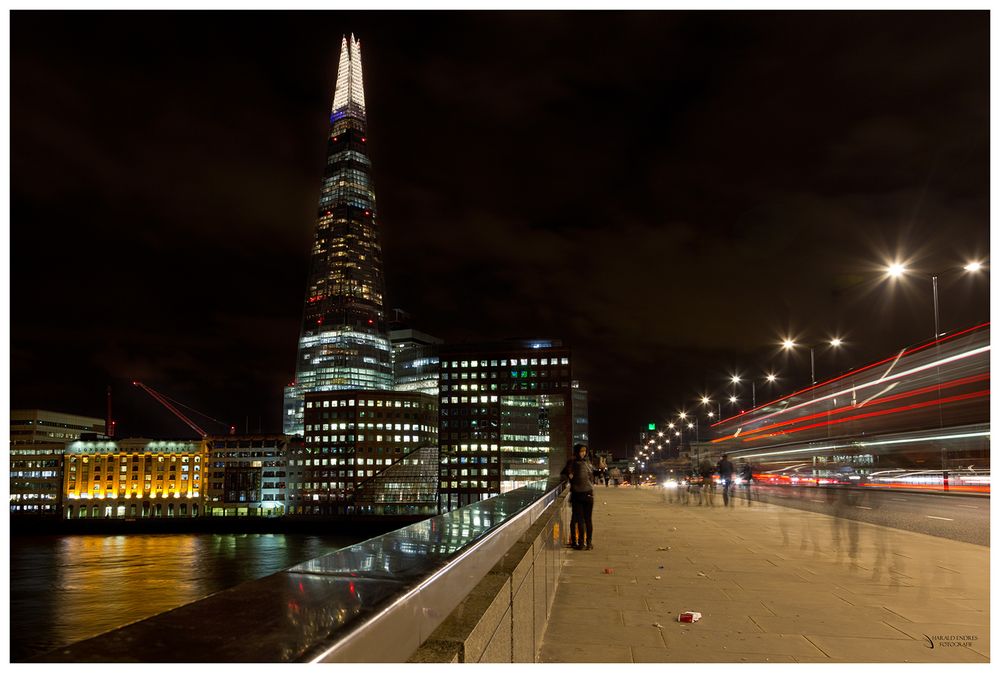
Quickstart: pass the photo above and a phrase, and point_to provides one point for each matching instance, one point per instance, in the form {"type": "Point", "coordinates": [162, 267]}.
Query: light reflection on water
{"type": "Point", "coordinates": [67, 588]}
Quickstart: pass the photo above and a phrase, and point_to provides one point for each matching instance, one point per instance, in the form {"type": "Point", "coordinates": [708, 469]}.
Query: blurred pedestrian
{"type": "Point", "coordinates": [580, 474]}
{"type": "Point", "coordinates": [602, 471]}
{"type": "Point", "coordinates": [707, 483]}
{"type": "Point", "coordinates": [746, 474]}
{"type": "Point", "coordinates": [726, 469]}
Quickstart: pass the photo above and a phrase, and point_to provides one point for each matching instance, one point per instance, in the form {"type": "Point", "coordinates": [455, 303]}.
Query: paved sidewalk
{"type": "Point", "coordinates": [773, 584]}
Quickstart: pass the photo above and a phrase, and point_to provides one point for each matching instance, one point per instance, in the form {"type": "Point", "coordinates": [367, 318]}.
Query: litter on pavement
{"type": "Point", "coordinates": [689, 617]}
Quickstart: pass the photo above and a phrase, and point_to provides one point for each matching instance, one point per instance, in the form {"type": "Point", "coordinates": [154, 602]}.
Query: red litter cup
{"type": "Point", "coordinates": [609, 571]}
{"type": "Point", "coordinates": [689, 617]}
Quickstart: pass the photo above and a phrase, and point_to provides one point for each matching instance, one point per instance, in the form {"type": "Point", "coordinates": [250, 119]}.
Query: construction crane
{"type": "Point", "coordinates": [167, 402]}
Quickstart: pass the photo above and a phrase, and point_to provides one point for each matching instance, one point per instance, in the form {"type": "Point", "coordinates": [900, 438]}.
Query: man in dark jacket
{"type": "Point", "coordinates": [726, 470]}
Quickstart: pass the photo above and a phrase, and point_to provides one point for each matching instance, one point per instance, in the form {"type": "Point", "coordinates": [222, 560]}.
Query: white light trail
{"type": "Point", "coordinates": [885, 442]}
{"type": "Point", "coordinates": [900, 375]}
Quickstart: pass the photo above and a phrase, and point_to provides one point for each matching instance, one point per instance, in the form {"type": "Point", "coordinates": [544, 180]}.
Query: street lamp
{"type": "Point", "coordinates": [706, 401]}
{"type": "Point", "coordinates": [692, 425]}
{"type": "Point", "coordinates": [898, 270]}
{"type": "Point", "coordinates": [770, 377]}
{"type": "Point", "coordinates": [789, 344]}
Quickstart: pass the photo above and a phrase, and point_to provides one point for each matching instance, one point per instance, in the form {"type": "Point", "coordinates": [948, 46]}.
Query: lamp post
{"type": "Point", "coordinates": [897, 270]}
{"type": "Point", "coordinates": [789, 344]}
{"type": "Point", "coordinates": [706, 402]}
{"type": "Point", "coordinates": [735, 378]}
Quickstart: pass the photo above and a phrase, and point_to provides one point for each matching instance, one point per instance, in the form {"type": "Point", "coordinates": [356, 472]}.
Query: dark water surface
{"type": "Point", "coordinates": [70, 587]}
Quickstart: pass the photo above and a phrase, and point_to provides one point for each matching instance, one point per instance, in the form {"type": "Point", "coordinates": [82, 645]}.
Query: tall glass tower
{"type": "Point", "coordinates": [344, 344]}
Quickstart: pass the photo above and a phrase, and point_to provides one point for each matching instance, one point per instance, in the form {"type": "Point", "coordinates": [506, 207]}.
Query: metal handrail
{"type": "Point", "coordinates": [422, 608]}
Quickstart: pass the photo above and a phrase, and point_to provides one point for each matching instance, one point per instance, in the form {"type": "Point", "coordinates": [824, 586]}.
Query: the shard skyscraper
{"type": "Point", "coordinates": [343, 344]}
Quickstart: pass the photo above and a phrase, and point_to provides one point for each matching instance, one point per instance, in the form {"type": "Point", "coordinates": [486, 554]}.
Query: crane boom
{"type": "Point", "coordinates": [162, 400]}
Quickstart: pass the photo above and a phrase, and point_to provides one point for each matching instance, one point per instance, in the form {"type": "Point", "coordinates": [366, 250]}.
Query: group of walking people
{"type": "Point", "coordinates": [701, 483]}
{"type": "Point", "coordinates": [582, 475]}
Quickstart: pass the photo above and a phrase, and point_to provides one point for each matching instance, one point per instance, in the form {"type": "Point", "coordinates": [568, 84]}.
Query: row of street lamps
{"type": "Point", "coordinates": [893, 271]}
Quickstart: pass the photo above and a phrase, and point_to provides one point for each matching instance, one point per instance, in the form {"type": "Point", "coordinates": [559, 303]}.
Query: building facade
{"type": "Point", "coordinates": [343, 343]}
{"type": "Point", "coordinates": [357, 441]}
{"type": "Point", "coordinates": [506, 417]}
{"type": "Point", "coordinates": [38, 440]}
{"type": "Point", "coordinates": [31, 426]}
{"type": "Point", "coordinates": [246, 475]}
{"type": "Point", "coordinates": [36, 478]}
{"type": "Point", "coordinates": [581, 415]}
{"type": "Point", "coordinates": [134, 479]}
{"type": "Point", "coordinates": [415, 361]}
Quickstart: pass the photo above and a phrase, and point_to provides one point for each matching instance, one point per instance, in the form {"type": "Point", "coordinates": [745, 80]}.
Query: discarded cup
{"type": "Point", "coordinates": [609, 571]}
{"type": "Point", "coordinates": [689, 617]}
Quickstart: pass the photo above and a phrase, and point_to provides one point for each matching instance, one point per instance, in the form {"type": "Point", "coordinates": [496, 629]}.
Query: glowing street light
{"type": "Point", "coordinates": [789, 344]}
{"type": "Point", "coordinates": [897, 270]}
{"type": "Point", "coordinates": [706, 401]}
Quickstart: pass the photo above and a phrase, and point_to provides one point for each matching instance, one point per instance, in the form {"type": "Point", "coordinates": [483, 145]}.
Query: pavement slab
{"type": "Point", "coordinates": [773, 584]}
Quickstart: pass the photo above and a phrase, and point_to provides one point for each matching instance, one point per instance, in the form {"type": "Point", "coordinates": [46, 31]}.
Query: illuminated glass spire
{"type": "Point", "coordinates": [350, 86]}
{"type": "Point", "coordinates": [343, 344]}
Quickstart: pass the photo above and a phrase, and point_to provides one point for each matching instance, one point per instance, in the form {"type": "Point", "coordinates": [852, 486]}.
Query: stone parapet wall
{"type": "Point", "coordinates": [503, 619]}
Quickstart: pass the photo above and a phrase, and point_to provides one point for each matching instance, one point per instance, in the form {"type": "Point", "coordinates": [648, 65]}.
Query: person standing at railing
{"type": "Point", "coordinates": [580, 474]}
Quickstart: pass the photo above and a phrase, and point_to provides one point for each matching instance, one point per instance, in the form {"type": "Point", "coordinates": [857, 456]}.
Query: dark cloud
{"type": "Point", "coordinates": [670, 192]}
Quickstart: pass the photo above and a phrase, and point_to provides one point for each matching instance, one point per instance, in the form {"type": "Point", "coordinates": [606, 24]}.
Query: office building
{"type": "Point", "coordinates": [352, 440]}
{"type": "Point", "coordinates": [506, 417]}
{"type": "Point", "coordinates": [343, 343]}
{"type": "Point", "coordinates": [581, 415]}
{"type": "Point", "coordinates": [38, 440]}
{"type": "Point", "coordinates": [29, 426]}
{"type": "Point", "coordinates": [246, 475]}
{"type": "Point", "coordinates": [414, 361]}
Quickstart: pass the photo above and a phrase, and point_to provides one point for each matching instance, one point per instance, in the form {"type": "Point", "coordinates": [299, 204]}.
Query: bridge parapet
{"type": "Point", "coordinates": [376, 601]}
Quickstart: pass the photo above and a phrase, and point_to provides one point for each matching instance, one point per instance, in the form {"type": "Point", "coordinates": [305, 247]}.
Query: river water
{"type": "Point", "coordinates": [70, 587]}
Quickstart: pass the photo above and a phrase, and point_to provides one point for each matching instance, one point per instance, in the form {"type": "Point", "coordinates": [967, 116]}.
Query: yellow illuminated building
{"type": "Point", "coordinates": [134, 479]}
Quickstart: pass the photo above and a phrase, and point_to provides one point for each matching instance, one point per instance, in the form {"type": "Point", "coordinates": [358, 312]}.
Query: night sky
{"type": "Point", "coordinates": [671, 193]}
